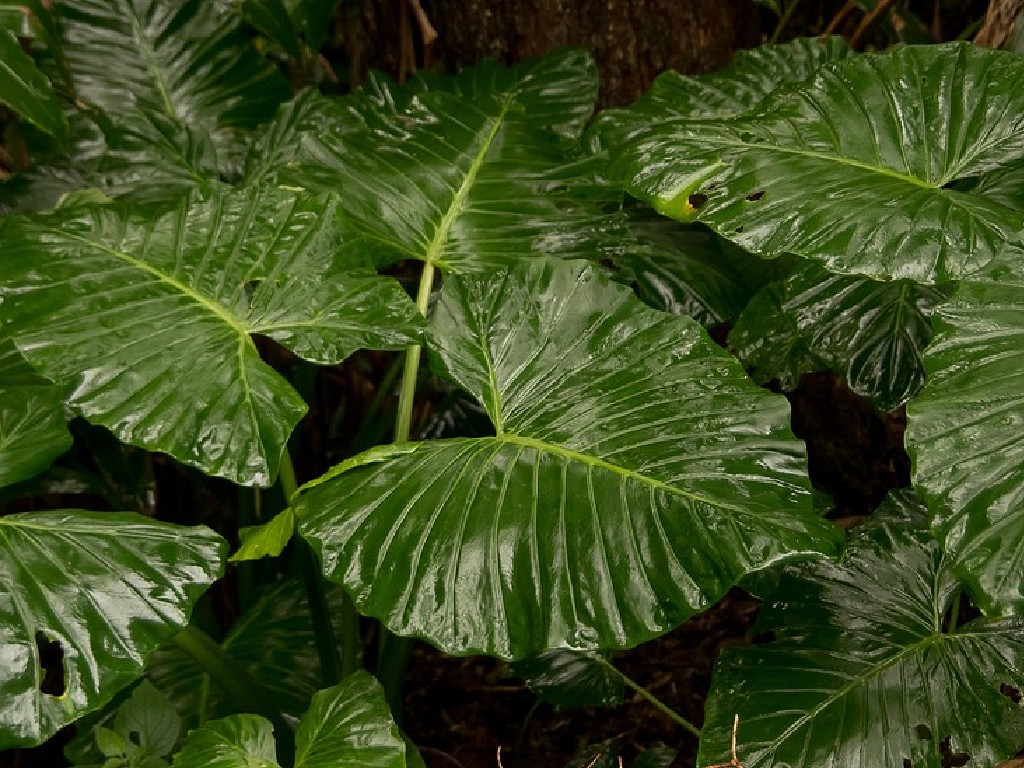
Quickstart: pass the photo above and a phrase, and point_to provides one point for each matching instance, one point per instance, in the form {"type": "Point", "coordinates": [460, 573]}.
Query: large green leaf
{"type": "Point", "coordinates": [238, 741]}
{"type": "Point", "coordinates": [185, 59]}
{"type": "Point", "coordinates": [466, 186]}
{"type": "Point", "coordinates": [27, 91]}
{"type": "Point", "coordinates": [731, 91]}
{"type": "Point", "coordinates": [558, 91]}
{"type": "Point", "coordinates": [152, 158]}
{"type": "Point", "coordinates": [688, 270]}
{"type": "Point", "coordinates": [635, 475]}
{"type": "Point", "coordinates": [107, 589]}
{"type": "Point", "coordinates": [347, 725]}
{"type": "Point", "coordinates": [273, 641]}
{"type": "Point", "coordinates": [307, 119]}
{"type": "Point", "coordinates": [872, 333]}
{"type": "Point", "coordinates": [856, 168]}
{"type": "Point", "coordinates": [146, 156]}
{"type": "Point", "coordinates": [965, 432]}
{"type": "Point", "coordinates": [863, 673]}
{"type": "Point", "coordinates": [145, 321]}
{"type": "Point", "coordinates": [32, 428]}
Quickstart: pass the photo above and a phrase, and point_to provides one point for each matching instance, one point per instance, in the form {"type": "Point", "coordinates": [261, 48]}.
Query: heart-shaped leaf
{"type": "Point", "coordinates": [185, 59]}
{"type": "Point", "coordinates": [872, 333]}
{"type": "Point", "coordinates": [32, 428]}
{"type": "Point", "coordinates": [238, 741]}
{"type": "Point", "coordinates": [635, 475]}
{"type": "Point", "coordinates": [144, 321]}
{"type": "Point", "coordinates": [347, 725]}
{"type": "Point", "coordinates": [863, 671]}
{"type": "Point", "coordinates": [85, 598]}
{"type": "Point", "coordinates": [466, 186]}
{"type": "Point", "coordinates": [857, 168]}
{"type": "Point", "coordinates": [557, 91]}
{"type": "Point", "coordinates": [688, 270]}
{"type": "Point", "coordinates": [965, 432]}
{"type": "Point", "coordinates": [730, 91]}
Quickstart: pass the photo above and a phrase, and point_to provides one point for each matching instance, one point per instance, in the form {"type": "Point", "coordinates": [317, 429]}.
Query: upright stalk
{"type": "Point", "coordinates": [244, 691]}
{"type": "Point", "coordinates": [410, 373]}
{"type": "Point", "coordinates": [331, 664]}
{"type": "Point", "coordinates": [394, 651]}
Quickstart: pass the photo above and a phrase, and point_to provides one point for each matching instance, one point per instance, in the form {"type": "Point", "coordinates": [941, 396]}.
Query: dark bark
{"type": "Point", "coordinates": [632, 40]}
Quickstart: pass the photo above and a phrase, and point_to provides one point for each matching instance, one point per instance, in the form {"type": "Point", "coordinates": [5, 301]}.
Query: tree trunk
{"type": "Point", "coordinates": [632, 40]}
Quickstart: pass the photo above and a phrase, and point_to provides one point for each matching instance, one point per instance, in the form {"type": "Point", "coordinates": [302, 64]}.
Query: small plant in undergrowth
{"type": "Point", "coordinates": [550, 459]}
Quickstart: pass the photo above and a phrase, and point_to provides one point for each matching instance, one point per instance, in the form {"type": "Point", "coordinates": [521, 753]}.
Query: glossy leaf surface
{"type": "Point", "coordinates": [635, 475]}
{"type": "Point", "coordinates": [267, 540]}
{"type": "Point", "coordinates": [32, 428]}
{"type": "Point", "coordinates": [348, 724]}
{"type": "Point", "coordinates": [108, 589]}
{"type": "Point", "coordinates": [687, 270]}
{"type": "Point", "coordinates": [965, 433]}
{"type": "Point", "coordinates": [856, 168]}
{"type": "Point", "coordinates": [144, 321]}
{"type": "Point", "coordinates": [558, 91]}
{"type": "Point", "coordinates": [466, 185]}
{"type": "Point", "coordinates": [872, 333]}
{"type": "Point", "coordinates": [571, 679]}
{"type": "Point", "coordinates": [731, 91]}
{"type": "Point", "coordinates": [185, 59]}
{"type": "Point", "coordinates": [26, 90]}
{"type": "Point", "coordinates": [238, 741]}
{"type": "Point", "coordinates": [862, 674]}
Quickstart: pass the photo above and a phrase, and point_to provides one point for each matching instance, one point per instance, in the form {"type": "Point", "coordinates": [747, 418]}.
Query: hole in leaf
{"type": "Point", "coordinates": [755, 196]}
{"type": "Point", "coordinates": [696, 200]}
{"type": "Point", "coordinates": [923, 732]}
{"type": "Point", "coordinates": [951, 759]}
{"type": "Point", "coordinates": [1013, 694]}
{"type": "Point", "coordinates": [738, 229]}
{"type": "Point", "coordinates": [135, 738]}
{"type": "Point", "coordinates": [907, 763]}
{"type": "Point", "coordinates": [51, 659]}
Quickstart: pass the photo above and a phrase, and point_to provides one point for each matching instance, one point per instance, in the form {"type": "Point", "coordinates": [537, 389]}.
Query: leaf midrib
{"type": "Point", "coordinates": [937, 638]}
{"type": "Point", "coordinates": [596, 461]}
{"type": "Point", "coordinates": [837, 159]}
{"type": "Point", "coordinates": [149, 57]}
{"type": "Point", "coordinates": [211, 306]}
{"type": "Point", "coordinates": [437, 242]}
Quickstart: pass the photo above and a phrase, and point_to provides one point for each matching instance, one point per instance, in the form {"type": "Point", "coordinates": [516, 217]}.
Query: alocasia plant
{"type": "Point", "coordinates": [218, 239]}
